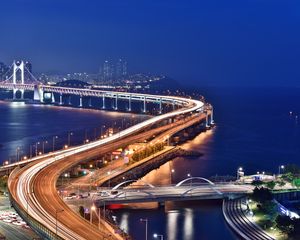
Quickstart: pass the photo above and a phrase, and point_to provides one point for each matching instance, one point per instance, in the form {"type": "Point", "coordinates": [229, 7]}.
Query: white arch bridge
{"type": "Point", "coordinates": [193, 188]}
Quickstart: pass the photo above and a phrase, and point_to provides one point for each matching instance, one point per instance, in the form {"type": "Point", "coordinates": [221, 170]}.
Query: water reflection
{"type": "Point", "coordinates": [124, 222]}
{"type": "Point", "coordinates": [188, 226]}
{"type": "Point", "coordinates": [172, 224]}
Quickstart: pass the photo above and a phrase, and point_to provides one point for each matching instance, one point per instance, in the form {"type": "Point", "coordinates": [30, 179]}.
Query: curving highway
{"type": "Point", "coordinates": [33, 187]}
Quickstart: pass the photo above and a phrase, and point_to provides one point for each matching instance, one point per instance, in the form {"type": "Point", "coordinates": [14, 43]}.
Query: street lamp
{"type": "Point", "coordinates": [146, 223]}
{"type": "Point", "coordinates": [18, 153]}
{"type": "Point", "coordinates": [69, 138]}
{"type": "Point", "coordinates": [239, 173]}
{"type": "Point", "coordinates": [44, 146]}
{"type": "Point", "coordinates": [102, 130]}
{"type": "Point", "coordinates": [36, 148]}
{"type": "Point", "coordinates": [160, 236]}
{"type": "Point", "coordinates": [279, 168]}
{"type": "Point", "coordinates": [56, 212]}
{"type": "Point", "coordinates": [53, 142]}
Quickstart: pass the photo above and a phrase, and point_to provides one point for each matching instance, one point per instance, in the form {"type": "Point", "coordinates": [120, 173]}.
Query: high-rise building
{"type": "Point", "coordinates": [108, 71]}
{"type": "Point", "coordinates": [121, 69]}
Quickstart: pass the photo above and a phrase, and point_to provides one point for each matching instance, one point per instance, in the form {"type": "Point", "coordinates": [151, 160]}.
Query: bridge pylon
{"type": "Point", "coordinates": [18, 67]}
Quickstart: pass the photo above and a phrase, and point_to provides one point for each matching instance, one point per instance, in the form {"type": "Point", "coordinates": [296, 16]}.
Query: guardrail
{"type": "Point", "coordinates": [38, 227]}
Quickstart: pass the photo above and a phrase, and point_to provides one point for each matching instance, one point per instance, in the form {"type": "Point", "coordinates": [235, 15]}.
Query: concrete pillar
{"type": "Point", "coordinates": [129, 106]}
{"type": "Point", "coordinates": [38, 94]}
{"type": "Point", "coordinates": [206, 121]}
{"type": "Point", "coordinates": [212, 116]}
{"type": "Point", "coordinates": [116, 105]}
{"type": "Point", "coordinates": [90, 102]}
{"type": "Point", "coordinates": [22, 93]}
{"type": "Point", "coordinates": [52, 98]}
{"type": "Point", "coordinates": [60, 99]}
{"type": "Point", "coordinates": [14, 94]}
{"type": "Point", "coordinates": [160, 105]}
{"type": "Point", "coordinates": [70, 103]}
{"type": "Point", "coordinates": [103, 101]}
{"type": "Point", "coordinates": [145, 110]}
{"type": "Point", "coordinates": [80, 101]}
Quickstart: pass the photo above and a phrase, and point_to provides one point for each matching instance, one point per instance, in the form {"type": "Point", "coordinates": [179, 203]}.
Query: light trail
{"type": "Point", "coordinates": [24, 191]}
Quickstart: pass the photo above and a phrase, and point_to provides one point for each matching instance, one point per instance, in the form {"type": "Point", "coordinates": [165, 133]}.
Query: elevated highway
{"type": "Point", "coordinates": [33, 191]}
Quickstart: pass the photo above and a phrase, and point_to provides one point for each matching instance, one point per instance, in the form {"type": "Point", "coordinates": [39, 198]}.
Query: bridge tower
{"type": "Point", "coordinates": [18, 67]}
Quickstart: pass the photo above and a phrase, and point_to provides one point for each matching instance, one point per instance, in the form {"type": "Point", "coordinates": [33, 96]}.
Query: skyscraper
{"type": "Point", "coordinates": [121, 69]}
{"type": "Point", "coordinates": [107, 71]}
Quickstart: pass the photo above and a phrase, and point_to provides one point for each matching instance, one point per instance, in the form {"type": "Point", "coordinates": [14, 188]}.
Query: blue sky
{"type": "Point", "coordinates": [212, 42]}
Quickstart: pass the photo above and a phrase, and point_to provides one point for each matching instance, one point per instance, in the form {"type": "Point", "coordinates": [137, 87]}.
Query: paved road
{"type": "Point", "coordinates": [33, 187]}
{"type": "Point", "coordinates": [240, 223]}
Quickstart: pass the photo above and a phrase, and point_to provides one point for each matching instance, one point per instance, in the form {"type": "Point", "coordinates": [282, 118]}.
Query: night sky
{"type": "Point", "coordinates": [211, 42]}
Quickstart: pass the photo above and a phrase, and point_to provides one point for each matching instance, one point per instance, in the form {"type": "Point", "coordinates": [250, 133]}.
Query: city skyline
{"type": "Point", "coordinates": [196, 42]}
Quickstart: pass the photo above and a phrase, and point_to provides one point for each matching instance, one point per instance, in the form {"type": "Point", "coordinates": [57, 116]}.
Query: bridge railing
{"type": "Point", "coordinates": [38, 227]}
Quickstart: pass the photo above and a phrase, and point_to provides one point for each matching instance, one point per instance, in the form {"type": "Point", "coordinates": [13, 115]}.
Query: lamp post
{"type": "Point", "coordinates": [69, 138]}
{"type": "Point", "coordinates": [239, 173]}
{"type": "Point", "coordinates": [53, 142]}
{"type": "Point", "coordinates": [279, 168]}
{"type": "Point", "coordinates": [36, 148]}
{"type": "Point", "coordinates": [43, 149]}
{"type": "Point", "coordinates": [18, 153]}
{"type": "Point", "coordinates": [160, 236]}
{"type": "Point", "coordinates": [56, 212]}
{"type": "Point", "coordinates": [101, 130]}
{"type": "Point", "coordinates": [146, 225]}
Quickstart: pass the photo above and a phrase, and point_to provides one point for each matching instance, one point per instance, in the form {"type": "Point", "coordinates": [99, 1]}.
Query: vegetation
{"type": "Point", "coordinates": [81, 211]}
{"type": "Point", "coordinates": [270, 185]}
{"type": "Point", "coordinates": [146, 152]}
{"type": "Point", "coordinates": [3, 182]}
{"type": "Point", "coordinates": [289, 226]}
{"type": "Point", "coordinates": [262, 195]}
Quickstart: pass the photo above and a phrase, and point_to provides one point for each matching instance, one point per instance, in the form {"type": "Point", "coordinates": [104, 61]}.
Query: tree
{"type": "Point", "coordinates": [271, 185]}
{"type": "Point", "coordinates": [262, 194]}
{"type": "Point", "coordinates": [296, 182]}
{"type": "Point", "coordinates": [81, 211]}
{"type": "Point", "coordinates": [284, 223]}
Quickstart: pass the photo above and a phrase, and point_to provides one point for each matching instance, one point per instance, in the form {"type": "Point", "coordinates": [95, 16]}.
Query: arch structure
{"type": "Point", "coordinates": [130, 181]}
{"type": "Point", "coordinates": [210, 183]}
{"type": "Point", "coordinates": [192, 178]}
{"type": "Point", "coordinates": [198, 187]}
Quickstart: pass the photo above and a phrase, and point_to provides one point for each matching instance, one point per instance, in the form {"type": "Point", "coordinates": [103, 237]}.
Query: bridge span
{"type": "Point", "coordinates": [161, 194]}
{"type": "Point", "coordinates": [32, 187]}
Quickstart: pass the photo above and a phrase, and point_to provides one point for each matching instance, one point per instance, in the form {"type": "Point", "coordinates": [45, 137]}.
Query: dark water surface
{"type": "Point", "coordinates": [254, 130]}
